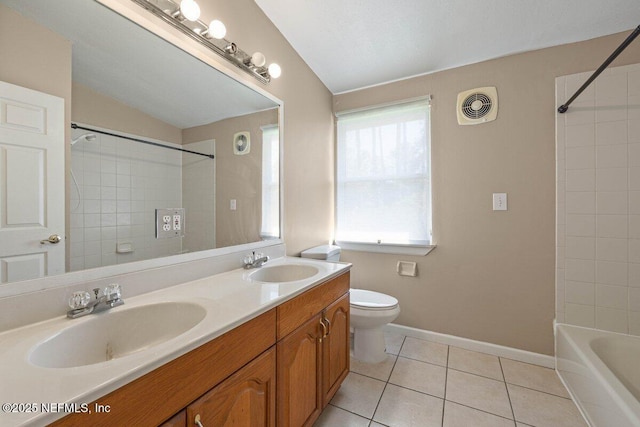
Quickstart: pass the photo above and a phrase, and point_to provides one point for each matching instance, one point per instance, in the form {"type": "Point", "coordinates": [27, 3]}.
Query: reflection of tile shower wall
{"type": "Point", "coordinates": [121, 184]}
{"type": "Point", "coordinates": [598, 202]}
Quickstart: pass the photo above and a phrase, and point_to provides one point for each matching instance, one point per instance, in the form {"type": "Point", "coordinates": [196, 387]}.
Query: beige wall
{"type": "Point", "coordinates": [237, 177]}
{"type": "Point", "coordinates": [308, 126]}
{"type": "Point", "coordinates": [491, 278]}
{"type": "Point", "coordinates": [91, 107]}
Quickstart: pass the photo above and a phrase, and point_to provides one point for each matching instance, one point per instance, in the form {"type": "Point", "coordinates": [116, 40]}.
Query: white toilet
{"type": "Point", "coordinates": [370, 311]}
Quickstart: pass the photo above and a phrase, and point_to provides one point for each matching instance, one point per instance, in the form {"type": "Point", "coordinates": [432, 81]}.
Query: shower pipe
{"type": "Point", "coordinates": [564, 107]}
{"type": "Point", "coordinates": [75, 126]}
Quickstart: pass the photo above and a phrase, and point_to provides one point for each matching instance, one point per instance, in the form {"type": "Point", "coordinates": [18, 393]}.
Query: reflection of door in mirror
{"type": "Point", "coordinates": [31, 180]}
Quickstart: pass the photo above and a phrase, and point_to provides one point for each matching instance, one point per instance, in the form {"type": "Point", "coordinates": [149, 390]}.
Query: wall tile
{"type": "Point", "coordinates": [633, 83]}
{"type": "Point", "coordinates": [634, 179]}
{"type": "Point", "coordinates": [611, 156]}
{"type": "Point", "coordinates": [581, 225]}
{"type": "Point", "coordinates": [580, 293]}
{"type": "Point", "coordinates": [608, 249]}
{"type": "Point", "coordinates": [611, 88]}
{"type": "Point", "coordinates": [581, 158]}
{"type": "Point", "coordinates": [611, 133]}
{"type": "Point", "coordinates": [580, 135]}
{"type": "Point", "coordinates": [580, 247]}
{"type": "Point", "coordinates": [634, 299]}
{"type": "Point", "coordinates": [634, 322]}
{"type": "Point", "coordinates": [580, 315]}
{"type": "Point", "coordinates": [611, 110]}
{"type": "Point", "coordinates": [610, 319]}
{"type": "Point", "coordinates": [634, 275]}
{"type": "Point", "coordinates": [612, 273]}
{"type": "Point", "coordinates": [634, 250]}
{"type": "Point", "coordinates": [581, 180]}
{"type": "Point", "coordinates": [611, 203]}
{"type": "Point", "coordinates": [579, 270]}
{"type": "Point", "coordinates": [610, 179]}
{"type": "Point", "coordinates": [612, 296]}
{"type": "Point", "coordinates": [613, 226]}
{"type": "Point", "coordinates": [634, 125]}
{"type": "Point", "coordinates": [585, 202]}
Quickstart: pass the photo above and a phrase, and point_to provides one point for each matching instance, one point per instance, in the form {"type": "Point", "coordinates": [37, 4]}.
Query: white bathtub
{"type": "Point", "coordinates": [602, 372]}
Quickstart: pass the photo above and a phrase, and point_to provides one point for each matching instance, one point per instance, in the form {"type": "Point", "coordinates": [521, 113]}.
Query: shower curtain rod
{"type": "Point", "coordinates": [75, 126]}
{"type": "Point", "coordinates": [564, 107]}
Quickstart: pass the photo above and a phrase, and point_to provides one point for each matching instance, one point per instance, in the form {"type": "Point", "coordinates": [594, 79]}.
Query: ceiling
{"type": "Point", "coordinates": [358, 43]}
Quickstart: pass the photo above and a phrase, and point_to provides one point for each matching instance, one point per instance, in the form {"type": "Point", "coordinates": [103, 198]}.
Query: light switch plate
{"type": "Point", "coordinates": [169, 223]}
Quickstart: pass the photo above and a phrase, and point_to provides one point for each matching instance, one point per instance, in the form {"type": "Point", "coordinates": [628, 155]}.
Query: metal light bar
{"type": "Point", "coordinates": [167, 11]}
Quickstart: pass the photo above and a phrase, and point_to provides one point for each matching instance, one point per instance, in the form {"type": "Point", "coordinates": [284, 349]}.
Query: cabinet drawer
{"type": "Point", "coordinates": [298, 310]}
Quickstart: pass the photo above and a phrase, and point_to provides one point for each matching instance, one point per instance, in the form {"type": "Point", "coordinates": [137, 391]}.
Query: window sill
{"type": "Point", "coordinates": [386, 249]}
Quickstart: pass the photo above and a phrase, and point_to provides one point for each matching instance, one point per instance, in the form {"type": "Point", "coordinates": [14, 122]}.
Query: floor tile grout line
{"type": "Point", "coordinates": [480, 410]}
{"type": "Point", "coordinates": [386, 383]}
{"type": "Point", "coordinates": [515, 422]}
{"type": "Point", "coordinates": [539, 391]}
{"type": "Point", "coordinates": [446, 376]}
{"type": "Point", "coordinates": [423, 361]}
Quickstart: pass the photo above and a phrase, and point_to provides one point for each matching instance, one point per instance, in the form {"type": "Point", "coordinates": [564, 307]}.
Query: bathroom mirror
{"type": "Point", "coordinates": [129, 87]}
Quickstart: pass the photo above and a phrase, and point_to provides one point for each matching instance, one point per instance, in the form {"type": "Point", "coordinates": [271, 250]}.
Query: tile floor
{"type": "Point", "coordinates": [426, 384]}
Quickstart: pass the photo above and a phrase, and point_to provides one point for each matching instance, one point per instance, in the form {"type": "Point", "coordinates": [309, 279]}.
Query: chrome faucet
{"type": "Point", "coordinates": [82, 305]}
{"type": "Point", "coordinates": [255, 260]}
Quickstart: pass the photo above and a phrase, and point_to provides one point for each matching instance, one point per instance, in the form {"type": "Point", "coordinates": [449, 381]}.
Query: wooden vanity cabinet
{"type": "Point", "coordinates": [313, 351]}
{"type": "Point", "coordinates": [247, 398]}
{"type": "Point", "coordinates": [335, 348]}
{"type": "Point", "coordinates": [178, 420]}
{"type": "Point", "coordinates": [281, 368]}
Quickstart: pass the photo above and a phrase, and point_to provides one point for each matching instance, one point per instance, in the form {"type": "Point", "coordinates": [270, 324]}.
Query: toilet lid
{"type": "Point", "coordinates": [372, 300]}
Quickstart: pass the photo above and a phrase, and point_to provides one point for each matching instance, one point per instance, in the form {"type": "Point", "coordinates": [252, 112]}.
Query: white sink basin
{"type": "Point", "coordinates": [110, 335]}
{"type": "Point", "coordinates": [284, 273]}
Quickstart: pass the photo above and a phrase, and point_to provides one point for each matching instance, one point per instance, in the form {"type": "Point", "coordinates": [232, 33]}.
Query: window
{"type": "Point", "coordinates": [383, 193]}
{"type": "Point", "coordinates": [270, 228]}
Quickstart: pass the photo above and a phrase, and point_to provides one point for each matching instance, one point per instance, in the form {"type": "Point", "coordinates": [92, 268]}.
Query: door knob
{"type": "Point", "coordinates": [53, 239]}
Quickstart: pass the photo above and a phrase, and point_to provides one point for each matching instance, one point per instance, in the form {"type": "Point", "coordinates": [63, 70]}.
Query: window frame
{"type": "Point", "coordinates": [419, 249]}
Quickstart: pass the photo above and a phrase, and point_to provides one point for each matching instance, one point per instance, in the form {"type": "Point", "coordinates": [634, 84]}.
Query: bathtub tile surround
{"type": "Point", "coordinates": [423, 383]}
{"type": "Point", "coordinates": [121, 184]}
{"type": "Point", "coordinates": [598, 202]}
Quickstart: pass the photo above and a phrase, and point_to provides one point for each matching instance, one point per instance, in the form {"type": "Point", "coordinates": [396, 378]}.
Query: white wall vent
{"type": "Point", "coordinates": [477, 106]}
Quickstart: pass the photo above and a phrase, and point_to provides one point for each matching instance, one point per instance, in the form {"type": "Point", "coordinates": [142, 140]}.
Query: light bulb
{"type": "Point", "coordinates": [258, 59]}
{"type": "Point", "coordinates": [274, 70]}
{"type": "Point", "coordinates": [190, 10]}
{"type": "Point", "coordinates": [217, 30]}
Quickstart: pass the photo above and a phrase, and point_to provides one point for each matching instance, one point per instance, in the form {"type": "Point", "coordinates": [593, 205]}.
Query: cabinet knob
{"type": "Point", "coordinates": [197, 421]}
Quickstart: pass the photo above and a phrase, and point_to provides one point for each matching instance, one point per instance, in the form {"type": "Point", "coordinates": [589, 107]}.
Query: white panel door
{"type": "Point", "coordinates": [32, 194]}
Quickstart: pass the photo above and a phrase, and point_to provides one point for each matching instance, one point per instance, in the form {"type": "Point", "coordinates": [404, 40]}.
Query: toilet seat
{"type": "Point", "coordinates": [370, 300]}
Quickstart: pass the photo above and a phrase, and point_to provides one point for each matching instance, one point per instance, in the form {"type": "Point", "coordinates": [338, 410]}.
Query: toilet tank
{"type": "Point", "coordinates": [329, 253]}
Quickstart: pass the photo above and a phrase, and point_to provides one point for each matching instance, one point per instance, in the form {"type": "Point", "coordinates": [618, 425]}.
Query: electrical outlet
{"type": "Point", "coordinates": [169, 223]}
{"type": "Point", "coordinates": [232, 204]}
{"type": "Point", "coordinates": [499, 201]}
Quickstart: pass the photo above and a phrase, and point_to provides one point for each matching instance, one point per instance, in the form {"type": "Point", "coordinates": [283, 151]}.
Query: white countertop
{"type": "Point", "coordinates": [230, 299]}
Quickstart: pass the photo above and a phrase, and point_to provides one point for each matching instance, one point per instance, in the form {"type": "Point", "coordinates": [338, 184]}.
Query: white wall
{"type": "Point", "coordinates": [598, 202]}
{"type": "Point", "coordinates": [122, 183]}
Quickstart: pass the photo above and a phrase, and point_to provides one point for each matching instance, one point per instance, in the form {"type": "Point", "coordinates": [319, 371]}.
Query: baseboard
{"type": "Point", "coordinates": [469, 344]}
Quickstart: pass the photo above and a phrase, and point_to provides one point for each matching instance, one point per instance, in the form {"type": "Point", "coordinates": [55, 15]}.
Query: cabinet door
{"type": "Point", "coordinates": [299, 371]}
{"type": "Point", "coordinates": [178, 420]}
{"type": "Point", "coordinates": [246, 398]}
{"type": "Point", "coordinates": [335, 352]}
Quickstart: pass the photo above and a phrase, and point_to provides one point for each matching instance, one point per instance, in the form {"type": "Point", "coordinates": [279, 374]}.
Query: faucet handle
{"type": "Point", "coordinates": [112, 292]}
{"type": "Point", "coordinates": [79, 299]}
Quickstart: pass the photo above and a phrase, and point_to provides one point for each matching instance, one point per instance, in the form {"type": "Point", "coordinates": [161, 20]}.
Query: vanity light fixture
{"type": "Point", "coordinates": [185, 17]}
